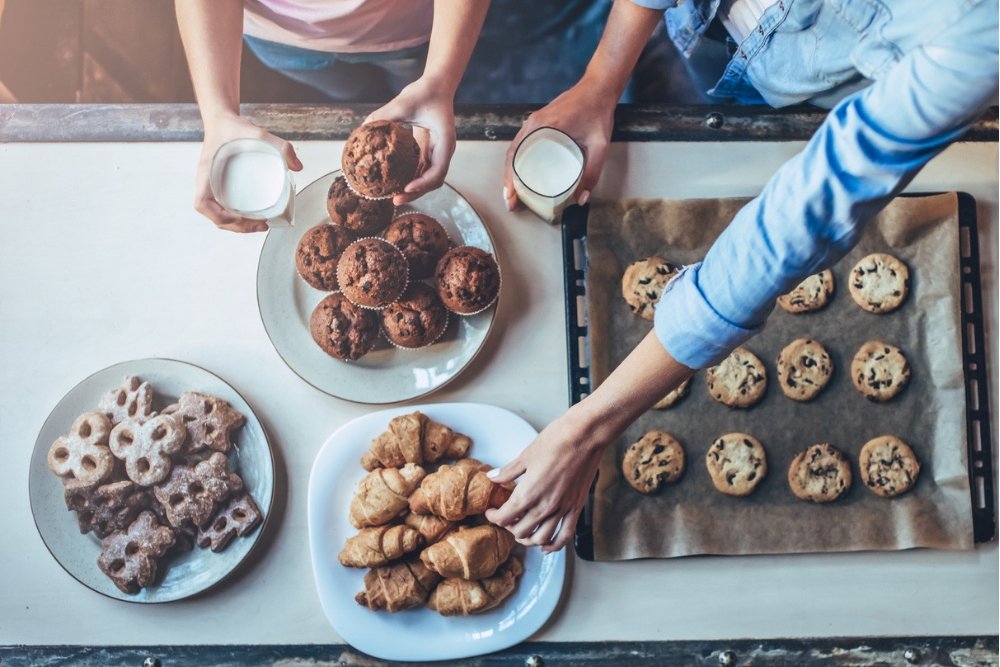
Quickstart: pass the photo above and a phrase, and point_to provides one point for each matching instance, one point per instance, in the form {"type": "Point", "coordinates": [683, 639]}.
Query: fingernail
{"type": "Point", "coordinates": [584, 196]}
{"type": "Point", "coordinates": [492, 474]}
{"type": "Point", "coordinates": [506, 194]}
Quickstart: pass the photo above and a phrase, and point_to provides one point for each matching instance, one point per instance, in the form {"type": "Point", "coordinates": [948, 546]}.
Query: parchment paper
{"type": "Point", "coordinates": [690, 516]}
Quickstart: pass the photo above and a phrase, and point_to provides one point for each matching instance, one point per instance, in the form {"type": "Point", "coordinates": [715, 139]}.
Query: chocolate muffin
{"type": "Point", "coordinates": [380, 158]}
{"type": "Point", "coordinates": [468, 280]}
{"type": "Point", "coordinates": [422, 239]}
{"type": "Point", "coordinates": [361, 216]}
{"type": "Point", "coordinates": [317, 255]}
{"type": "Point", "coordinates": [344, 331]}
{"type": "Point", "coordinates": [372, 273]}
{"type": "Point", "coordinates": [417, 319]}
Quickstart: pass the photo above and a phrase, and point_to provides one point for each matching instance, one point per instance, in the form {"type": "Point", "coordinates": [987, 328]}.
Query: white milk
{"type": "Point", "coordinates": [547, 167]}
{"type": "Point", "coordinates": [252, 182]}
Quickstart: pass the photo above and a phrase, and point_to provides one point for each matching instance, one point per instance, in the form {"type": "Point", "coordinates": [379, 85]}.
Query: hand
{"type": "Point", "coordinates": [430, 109]}
{"type": "Point", "coordinates": [217, 133]}
{"type": "Point", "coordinates": [584, 113]}
{"type": "Point", "coordinates": [556, 472]}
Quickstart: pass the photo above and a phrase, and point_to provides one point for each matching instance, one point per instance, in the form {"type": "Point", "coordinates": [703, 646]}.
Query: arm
{"type": "Point", "coordinates": [586, 111]}
{"type": "Point", "coordinates": [429, 102]}
{"type": "Point", "coordinates": [212, 33]}
{"type": "Point", "coordinates": [809, 215]}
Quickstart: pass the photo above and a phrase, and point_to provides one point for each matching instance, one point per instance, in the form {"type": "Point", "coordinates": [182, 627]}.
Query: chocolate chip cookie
{"type": "Point", "coordinates": [810, 295]}
{"type": "Point", "coordinates": [643, 283]}
{"type": "Point", "coordinates": [804, 369]}
{"type": "Point", "coordinates": [879, 283]}
{"type": "Point", "coordinates": [736, 463]}
{"type": "Point", "coordinates": [888, 466]}
{"type": "Point", "coordinates": [739, 381]}
{"type": "Point", "coordinates": [655, 460]}
{"type": "Point", "coordinates": [879, 371]}
{"type": "Point", "coordinates": [820, 474]}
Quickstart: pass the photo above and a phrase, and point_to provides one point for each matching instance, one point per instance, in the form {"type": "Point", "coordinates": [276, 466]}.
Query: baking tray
{"type": "Point", "coordinates": [977, 406]}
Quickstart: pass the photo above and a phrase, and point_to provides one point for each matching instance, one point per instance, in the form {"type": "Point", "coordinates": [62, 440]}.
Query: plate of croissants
{"type": "Point", "coordinates": [406, 565]}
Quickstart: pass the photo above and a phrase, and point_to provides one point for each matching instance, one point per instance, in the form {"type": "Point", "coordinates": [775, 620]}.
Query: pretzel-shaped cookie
{"type": "Point", "coordinates": [105, 508]}
{"type": "Point", "coordinates": [209, 420]}
{"type": "Point", "coordinates": [239, 516]}
{"type": "Point", "coordinates": [83, 453]}
{"type": "Point", "coordinates": [191, 493]}
{"type": "Point", "coordinates": [146, 447]}
{"type": "Point", "coordinates": [132, 400]}
{"type": "Point", "coordinates": [129, 557]}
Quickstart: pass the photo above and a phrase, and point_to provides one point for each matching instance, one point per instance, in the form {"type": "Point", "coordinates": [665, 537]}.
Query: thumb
{"type": "Point", "coordinates": [288, 153]}
{"type": "Point", "coordinates": [508, 473]}
{"type": "Point", "coordinates": [593, 165]}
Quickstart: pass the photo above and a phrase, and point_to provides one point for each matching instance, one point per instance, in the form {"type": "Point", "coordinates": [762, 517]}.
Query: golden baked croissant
{"type": "Point", "coordinates": [431, 528]}
{"type": "Point", "coordinates": [398, 586]}
{"type": "Point", "coordinates": [469, 553]}
{"type": "Point", "coordinates": [414, 438]}
{"type": "Point", "coordinates": [377, 546]}
{"type": "Point", "coordinates": [454, 596]}
{"type": "Point", "coordinates": [383, 494]}
{"type": "Point", "coordinates": [455, 492]}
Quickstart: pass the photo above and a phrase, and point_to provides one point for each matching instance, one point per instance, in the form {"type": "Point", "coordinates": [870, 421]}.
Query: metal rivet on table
{"type": "Point", "coordinates": [912, 656]}
{"type": "Point", "coordinates": [490, 133]}
{"type": "Point", "coordinates": [727, 659]}
{"type": "Point", "coordinates": [534, 661]}
{"type": "Point", "coordinates": [151, 662]}
{"type": "Point", "coordinates": [715, 120]}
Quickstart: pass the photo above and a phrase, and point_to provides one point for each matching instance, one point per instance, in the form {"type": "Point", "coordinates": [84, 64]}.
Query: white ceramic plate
{"type": "Point", "coordinates": [183, 575]}
{"type": "Point", "coordinates": [421, 634]}
{"type": "Point", "coordinates": [387, 374]}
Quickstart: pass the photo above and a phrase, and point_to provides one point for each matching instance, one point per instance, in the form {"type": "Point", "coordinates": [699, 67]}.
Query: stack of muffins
{"type": "Point", "coordinates": [373, 260]}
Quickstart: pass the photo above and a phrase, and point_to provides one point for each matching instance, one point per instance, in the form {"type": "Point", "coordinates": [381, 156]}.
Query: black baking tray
{"type": "Point", "coordinates": [977, 404]}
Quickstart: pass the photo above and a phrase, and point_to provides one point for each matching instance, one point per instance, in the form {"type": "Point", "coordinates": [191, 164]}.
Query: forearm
{"type": "Point", "coordinates": [646, 375]}
{"type": "Point", "coordinates": [453, 37]}
{"type": "Point", "coordinates": [212, 31]}
{"type": "Point", "coordinates": [629, 28]}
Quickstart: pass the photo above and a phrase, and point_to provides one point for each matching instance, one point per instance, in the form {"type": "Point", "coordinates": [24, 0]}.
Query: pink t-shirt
{"type": "Point", "coordinates": [341, 26]}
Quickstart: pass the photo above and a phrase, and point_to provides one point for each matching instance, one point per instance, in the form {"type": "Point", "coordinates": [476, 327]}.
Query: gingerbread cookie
{"type": "Point", "coordinates": [879, 283]}
{"type": "Point", "coordinates": [739, 381]}
{"type": "Point", "coordinates": [146, 447]}
{"type": "Point", "coordinates": [239, 516]}
{"type": "Point", "coordinates": [129, 557]}
{"type": "Point", "coordinates": [888, 466]}
{"type": "Point", "coordinates": [820, 474]}
{"type": "Point", "coordinates": [83, 453]}
{"type": "Point", "coordinates": [810, 295]}
{"type": "Point", "coordinates": [643, 283]}
{"type": "Point", "coordinates": [105, 508]}
{"type": "Point", "coordinates": [674, 396]}
{"type": "Point", "coordinates": [209, 420]}
{"type": "Point", "coordinates": [736, 463]}
{"type": "Point", "coordinates": [804, 369]}
{"type": "Point", "coordinates": [879, 371]}
{"type": "Point", "coordinates": [191, 493]}
{"type": "Point", "coordinates": [132, 400]}
{"type": "Point", "coordinates": [655, 460]}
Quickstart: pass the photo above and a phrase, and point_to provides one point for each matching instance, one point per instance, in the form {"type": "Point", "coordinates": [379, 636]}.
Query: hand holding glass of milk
{"type": "Point", "coordinates": [249, 178]}
{"type": "Point", "coordinates": [547, 167]}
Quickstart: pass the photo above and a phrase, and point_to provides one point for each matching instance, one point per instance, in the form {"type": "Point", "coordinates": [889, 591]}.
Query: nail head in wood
{"type": "Point", "coordinates": [715, 120]}
{"type": "Point", "coordinates": [912, 656]}
{"type": "Point", "coordinates": [727, 659]}
{"type": "Point", "coordinates": [534, 661]}
{"type": "Point", "coordinates": [151, 662]}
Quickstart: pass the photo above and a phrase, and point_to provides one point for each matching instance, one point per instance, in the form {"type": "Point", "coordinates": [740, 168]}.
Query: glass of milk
{"type": "Point", "coordinates": [249, 178]}
{"type": "Point", "coordinates": [548, 165]}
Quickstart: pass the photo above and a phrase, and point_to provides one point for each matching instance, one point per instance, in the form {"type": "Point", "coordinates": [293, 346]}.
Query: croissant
{"type": "Point", "coordinates": [469, 553]}
{"type": "Point", "coordinates": [454, 596]}
{"type": "Point", "coordinates": [431, 528]}
{"type": "Point", "coordinates": [398, 586]}
{"type": "Point", "coordinates": [377, 546]}
{"type": "Point", "coordinates": [455, 492]}
{"type": "Point", "coordinates": [383, 494]}
{"type": "Point", "coordinates": [414, 438]}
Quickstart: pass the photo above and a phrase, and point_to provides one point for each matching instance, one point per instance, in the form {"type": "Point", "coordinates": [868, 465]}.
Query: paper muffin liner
{"type": "Point", "coordinates": [447, 323]}
{"type": "Point", "coordinates": [353, 189]}
{"type": "Point", "coordinates": [495, 298]}
{"type": "Point", "coordinates": [406, 278]}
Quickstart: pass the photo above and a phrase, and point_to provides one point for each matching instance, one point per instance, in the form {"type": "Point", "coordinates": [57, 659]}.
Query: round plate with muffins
{"type": "Point", "coordinates": [388, 305]}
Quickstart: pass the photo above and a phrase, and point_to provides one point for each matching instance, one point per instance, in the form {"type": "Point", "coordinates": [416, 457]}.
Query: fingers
{"type": "Point", "coordinates": [509, 472]}
{"type": "Point", "coordinates": [543, 534]}
{"type": "Point", "coordinates": [287, 152]}
{"type": "Point", "coordinates": [596, 153]}
{"type": "Point", "coordinates": [226, 220]}
{"type": "Point", "coordinates": [566, 531]}
{"type": "Point", "coordinates": [509, 194]}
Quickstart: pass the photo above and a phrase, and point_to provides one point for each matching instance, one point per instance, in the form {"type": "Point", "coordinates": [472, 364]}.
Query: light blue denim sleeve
{"type": "Point", "coordinates": [811, 212]}
{"type": "Point", "coordinates": [655, 4]}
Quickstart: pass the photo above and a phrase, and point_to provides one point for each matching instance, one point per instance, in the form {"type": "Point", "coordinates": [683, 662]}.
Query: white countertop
{"type": "Point", "coordinates": [103, 259]}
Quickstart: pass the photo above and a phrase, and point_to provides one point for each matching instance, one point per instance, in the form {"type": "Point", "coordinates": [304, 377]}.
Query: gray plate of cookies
{"type": "Point", "coordinates": [151, 481]}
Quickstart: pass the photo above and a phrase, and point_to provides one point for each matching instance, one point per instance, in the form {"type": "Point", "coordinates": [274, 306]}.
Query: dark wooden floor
{"type": "Point", "coordinates": [121, 51]}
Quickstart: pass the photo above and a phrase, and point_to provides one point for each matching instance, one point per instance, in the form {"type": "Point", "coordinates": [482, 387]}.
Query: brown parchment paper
{"type": "Point", "coordinates": [691, 517]}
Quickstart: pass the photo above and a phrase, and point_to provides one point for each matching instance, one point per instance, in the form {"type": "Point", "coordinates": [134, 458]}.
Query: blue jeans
{"type": "Point", "coordinates": [344, 77]}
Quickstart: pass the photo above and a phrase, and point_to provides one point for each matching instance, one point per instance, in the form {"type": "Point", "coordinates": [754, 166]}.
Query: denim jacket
{"type": "Point", "coordinates": [904, 79]}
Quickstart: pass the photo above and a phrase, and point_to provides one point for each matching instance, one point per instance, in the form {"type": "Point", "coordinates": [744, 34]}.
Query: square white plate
{"type": "Point", "coordinates": [498, 435]}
